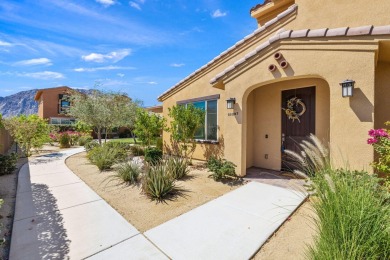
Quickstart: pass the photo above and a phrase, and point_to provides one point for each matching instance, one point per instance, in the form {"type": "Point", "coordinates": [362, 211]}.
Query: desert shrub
{"type": "Point", "coordinates": [353, 210]}
{"type": "Point", "coordinates": [353, 216]}
{"type": "Point", "coordinates": [89, 146]}
{"type": "Point", "coordinates": [8, 163]}
{"type": "Point", "coordinates": [137, 150]}
{"type": "Point", "coordinates": [314, 157]}
{"type": "Point", "coordinates": [380, 140]}
{"type": "Point", "coordinates": [29, 131]}
{"type": "Point", "coordinates": [64, 140]}
{"type": "Point", "coordinates": [178, 167]}
{"type": "Point", "coordinates": [221, 168]}
{"type": "Point", "coordinates": [74, 137]}
{"type": "Point", "coordinates": [105, 156]}
{"type": "Point", "coordinates": [84, 139]}
{"type": "Point", "coordinates": [128, 172]}
{"type": "Point", "coordinates": [153, 155]}
{"type": "Point", "coordinates": [2, 240]}
{"type": "Point", "coordinates": [159, 143]}
{"type": "Point", "coordinates": [158, 183]}
{"type": "Point", "coordinates": [123, 146]}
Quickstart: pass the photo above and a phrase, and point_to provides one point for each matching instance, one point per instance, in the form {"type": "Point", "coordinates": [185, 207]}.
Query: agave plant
{"type": "Point", "coordinates": [178, 167]}
{"type": "Point", "coordinates": [158, 183]}
{"type": "Point", "coordinates": [128, 172]}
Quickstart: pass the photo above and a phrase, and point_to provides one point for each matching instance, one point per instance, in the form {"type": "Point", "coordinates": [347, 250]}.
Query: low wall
{"type": "Point", "coordinates": [5, 141]}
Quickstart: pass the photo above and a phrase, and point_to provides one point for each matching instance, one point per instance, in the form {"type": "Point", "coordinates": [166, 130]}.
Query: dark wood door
{"type": "Point", "coordinates": [298, 121]}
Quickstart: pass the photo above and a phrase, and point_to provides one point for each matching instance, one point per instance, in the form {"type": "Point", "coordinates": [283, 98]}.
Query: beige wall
{"type": "Point", "coordinates": [5, 141]}
{"type": "Point", "coordinates": [316, 61]}
{"type": "Point", "coordinates": [350, 118]}
{"type": "Point", "coordinates": [264, 118]}
{"type": "Point", "coordinates": [203, 151]}
{"type": "Point", "coordinates": [382, 95]}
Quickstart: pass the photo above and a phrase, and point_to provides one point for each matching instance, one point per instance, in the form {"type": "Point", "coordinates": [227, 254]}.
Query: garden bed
{"type": "Point", "coordinates": [139, 210]}
{"type": "Point", "coordinates": [292, 238]}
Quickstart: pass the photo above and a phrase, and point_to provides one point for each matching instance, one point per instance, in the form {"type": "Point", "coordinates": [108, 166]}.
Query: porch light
{"type": "Point", "coordinates": [347, 87]}
{"type": "Point", "coordinates": [230, 103]}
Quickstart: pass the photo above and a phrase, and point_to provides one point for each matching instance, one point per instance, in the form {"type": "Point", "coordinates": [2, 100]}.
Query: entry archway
{"type": "Point", "coordinates": [264, 118]}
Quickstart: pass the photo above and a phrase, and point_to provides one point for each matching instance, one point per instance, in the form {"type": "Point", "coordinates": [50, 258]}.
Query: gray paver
{"type": "Point", "coordinates": [138, 247]}
{"type": "Point", "coordinates": [233, 226]}
{"type": "Point", "coordinates": [59, 217]}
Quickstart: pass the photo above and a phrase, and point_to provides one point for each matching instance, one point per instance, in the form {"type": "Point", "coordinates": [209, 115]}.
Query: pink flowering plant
{"type": "Point", "coordinates": [380, 140]}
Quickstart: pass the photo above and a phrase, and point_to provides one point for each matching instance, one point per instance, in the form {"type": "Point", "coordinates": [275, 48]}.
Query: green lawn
{"type": "Point", "coordinates": [125, 140]}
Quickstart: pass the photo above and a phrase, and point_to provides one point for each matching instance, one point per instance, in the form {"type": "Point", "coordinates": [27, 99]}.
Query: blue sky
{"type": "Point", "coordinates": [141, 47]}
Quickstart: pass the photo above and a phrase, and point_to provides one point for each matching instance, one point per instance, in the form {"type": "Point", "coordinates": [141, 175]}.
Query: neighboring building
{"type": "Point", "coordinates": [53, 105]}
{"type": "Point", "coordinates": [155, 109]}
{"type": "Point", "coordinates": [302, 49]}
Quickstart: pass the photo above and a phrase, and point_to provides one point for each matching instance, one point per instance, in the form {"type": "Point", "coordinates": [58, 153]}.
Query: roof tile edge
{"type": "Point", "coordinates": [342, 31]}
{"type": "Point", "coordinates": [283, 14]}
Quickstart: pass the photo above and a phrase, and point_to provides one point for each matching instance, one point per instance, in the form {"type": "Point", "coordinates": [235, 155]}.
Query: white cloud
{"type": "Point", "coordinates": [135, 5]}
{"type": "Point", "coordinates": [152, 83]}
{"type": "Point", "coordinates": [106, 3]}
{"type": "Point", "coordinates": [218, 13]}
{"type": "Point", "coordinates": [120, 75]}
{"type": "Point", "coordinates": [103, 68]}
{"type": "Point", "coordinates": [43, 75]}
{"type": "Point", "coordinates": [114, 56]}
{"type": "Point", "coordinates": [5, 44]}
{"type": "Point", "coordinates": [177, 65]}
{"type": "Point", "coordinates": [32, 62]}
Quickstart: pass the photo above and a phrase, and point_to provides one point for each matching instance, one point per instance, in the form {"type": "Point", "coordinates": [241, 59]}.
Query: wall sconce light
{"type": "Point", "coordinates": [230, 103]}
{"type": "Point", "coordinates": [347, 87]}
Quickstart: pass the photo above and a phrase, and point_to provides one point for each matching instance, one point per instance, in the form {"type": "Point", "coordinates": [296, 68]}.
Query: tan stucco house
{"type": "Point", "coordinates": [53, 103]}
{"type": "Point", "coordinates": [284, 80]}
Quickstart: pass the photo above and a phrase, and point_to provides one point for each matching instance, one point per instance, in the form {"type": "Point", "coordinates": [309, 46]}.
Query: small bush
{"type": "Point", "coordinates": [178, 167]}
{"type": "Point", "coordinates": [221, 169]}
{"type": "Point", "coordinates": [89, 146]}
{"type": "Point", "coordinates": [137, 150]}
{"type": "Point", "coordinates": [123, 146]}
{"type": "Point", "coordinates": [83, 140]}
{"type": "Point", "coordinates": [64, 140]}
{"type": "Point", "coordinates": [159, 143]}
{"type": "Point", "coordinates": [8, 163]}
{"type": "Point", "coordinates": [2, 240]}
{"type": "Point", "coordinates": [128, 172]}
{"type": "Point", "coordinates": [153, 155]}
{"type": "Point", "coordinates": [158, 183]}
{"type": "Point", "coordinates": [105, 156]}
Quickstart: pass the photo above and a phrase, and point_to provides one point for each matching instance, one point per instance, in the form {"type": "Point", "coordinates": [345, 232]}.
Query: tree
{"type": "Point", "coordinates": [29, 131]}
{"type": "Point", "coordinates": [186, 120]}
{"type": "Point", "coordinates": [102, 110]}
{"type": "Point", "coordinates": [148, 126]}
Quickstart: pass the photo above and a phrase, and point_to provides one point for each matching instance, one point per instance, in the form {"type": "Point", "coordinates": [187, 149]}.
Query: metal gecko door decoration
{"type": "Point", "coordinates": [293, 111]}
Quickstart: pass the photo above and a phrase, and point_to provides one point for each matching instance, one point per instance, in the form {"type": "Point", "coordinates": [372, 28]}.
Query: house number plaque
{"type": "Point", "coordinates": [233, 114]}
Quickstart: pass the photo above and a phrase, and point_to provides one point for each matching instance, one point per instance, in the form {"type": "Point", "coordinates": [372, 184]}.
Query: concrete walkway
{"type": "Point", "coordinates": [59, 217]}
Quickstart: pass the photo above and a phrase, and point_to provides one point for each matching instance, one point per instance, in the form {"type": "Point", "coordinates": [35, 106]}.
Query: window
{"type": "Point", "coordinates": [209, 129]}
{"type": "Point", "coordinates": [62, 121]}
{"type": "Point", "coordinates": [64, 103]}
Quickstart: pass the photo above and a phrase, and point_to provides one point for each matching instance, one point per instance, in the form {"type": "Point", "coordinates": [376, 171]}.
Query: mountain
{"type": "Point", "coordinates": [23, 103]}
{"type": "Point", "coordinates": [20, 103]}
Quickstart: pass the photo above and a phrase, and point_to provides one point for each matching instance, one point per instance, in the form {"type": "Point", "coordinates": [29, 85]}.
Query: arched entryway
{"type": "Point", "coordinates": [271, 127]}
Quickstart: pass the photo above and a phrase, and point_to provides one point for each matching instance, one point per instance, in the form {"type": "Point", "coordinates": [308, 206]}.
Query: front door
{"type": "Point", "coordinates": [298, 121]}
